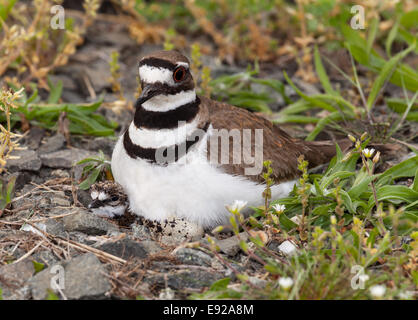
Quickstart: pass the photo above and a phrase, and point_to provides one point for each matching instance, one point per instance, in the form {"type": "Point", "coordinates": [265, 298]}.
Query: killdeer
{"type": "Point", "coordinates": [108, 200]}
{"type": "Point", "coordinates": [167, 161]}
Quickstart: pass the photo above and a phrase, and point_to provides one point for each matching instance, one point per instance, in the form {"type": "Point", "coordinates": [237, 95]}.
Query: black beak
{"type": "Point", "coordinates": [148, 92]}
{"type": "Point", "coordinates": [95, 204]}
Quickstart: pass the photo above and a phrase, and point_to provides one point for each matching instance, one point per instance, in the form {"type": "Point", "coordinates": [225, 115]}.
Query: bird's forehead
{"type": "Point", "coordinates": [172, 56]}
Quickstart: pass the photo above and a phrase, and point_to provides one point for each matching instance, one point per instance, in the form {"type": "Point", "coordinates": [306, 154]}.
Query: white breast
{"type": "Point", "coordinates": [195, 190]}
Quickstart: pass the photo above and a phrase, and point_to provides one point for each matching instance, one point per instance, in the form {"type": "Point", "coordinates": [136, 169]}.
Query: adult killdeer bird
{"type": "Point", "coordinates": [170, 162]}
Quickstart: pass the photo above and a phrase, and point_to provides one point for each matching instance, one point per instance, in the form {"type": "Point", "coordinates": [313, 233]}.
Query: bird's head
{"type": "Point", "coordinates": [166, 80]}
{"type": "Point", "coordinates": [108, 199]}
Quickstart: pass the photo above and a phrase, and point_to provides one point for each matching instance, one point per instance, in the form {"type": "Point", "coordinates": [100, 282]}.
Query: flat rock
{"type": "Point", "coordinates": [230, 246]}
{"type": "Point", "coordinates": [55, 227]}
{"type": "Point", "coordinates": [64, 158]}
{"type": "Point", "coordinates": [33, 138]}
{"type": "Point", "coordinates": [28, 160]}
{"type": "Point", "coordinates": [47, 258]}
{"type": "Point", "coordinates": [126, 249]}
{"type": "Point", "coordinates": [193, 257]}
{"type": "Point", "coordinates": [185, 279]}
{"type": "Point", "coordinates": [83, 279]}
{"type": "Point", "coordinates": [13, 278]}
{"type": "Point", "coordinates": [87, 223]}
{"type": "Point", "coordinates": [102, 143]}
{"type": "Point", "coordinates": [52, 144]}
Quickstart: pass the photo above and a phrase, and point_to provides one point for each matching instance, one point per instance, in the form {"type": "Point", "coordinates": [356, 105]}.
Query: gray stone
{"type": "Point", "coordinates": [60, 201]}
{"type": "Point", "coordinates": [64, 158]}
{"type": "Point", "coordinates": [55, 227]}
{"type": "Point", "coordinates": [151, 246]}
{"type": "Point", "coordinates": [102, 143]}
{"type": "Point", "coordinates": [193, 257]}
{"type": "Point", "coordinates": [85, 222]}
{"type": "Point", "coordinates": [125, 249]}
{"type": "Point", "coordinates": [33, 139]}
{"type": "Point", "coordinates": [52, 144]}
{"type": "Point", "coordinates": [185, 279]}
{"type": "Point", "coordinates": [230, 246]}
{"type": "Point", "coordinates": [28, 160]}
{"type": "Point", "coordinates": [13, 278]}
{"type": "Point", "coordinates": [84, 279]}
{"type": "Point", "coordinates": [45, 257]}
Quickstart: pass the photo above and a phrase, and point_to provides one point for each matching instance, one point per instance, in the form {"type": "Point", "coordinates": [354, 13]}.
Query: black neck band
{"type": "Point", "coordinates": [167, 119]}
{"type": "Point", "coordinates": [165, 155]}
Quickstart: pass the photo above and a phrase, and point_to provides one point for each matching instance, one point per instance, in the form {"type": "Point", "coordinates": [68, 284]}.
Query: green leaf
{"type": "Point", "coordinates": [334, 116]}
{"type": "Point", "coordinates": [396, 194]}
{"type": "Point", "coordinates": [320, 70]}
{"type": "Point", "coordinates": [391, 37]}
{"type": "Point", "coordinates": [357, 47]}
{"type": "Point", "coordinates": [415, 184]}
{"type": "Point", "coordinates": [5, 7]}
{"type": "Point", "coordinates": [86, 184]}
{"type": "Point", "coordinates": [372, 35]}
{"type": "Point", "coordinates": [385, 74]}
{"type": "Point", "coordinates": [219, 285]}
{"type": "Point", "coordinates": [409, 19]}
{"type": "Point", "coordinates": [404, 169]}
{"type": "Point", "coordinates": [361, 186]}
{"type": "Point", "coordinates": [10, 189]}
{"type": "Point", "coordinates": [317, 102]}
{"type": "Point", "coordinates": [400, 105]}
{"type": "Point", "coordinates": [286, 223]}
{"type": "Point", "coordinates": [55, 91]}
{"type": "Point", "coordinates": [326, 181]}
{"type": "Point", "coordinates": [38, 266]}
{"type": "Point", "coordinates": [52, 295]}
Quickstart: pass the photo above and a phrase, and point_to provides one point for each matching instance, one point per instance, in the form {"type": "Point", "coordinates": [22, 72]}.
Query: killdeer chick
{"type": "Point", "coordinates": [110, 201]}
{"type": "Point", "coordinates": [170, 162]}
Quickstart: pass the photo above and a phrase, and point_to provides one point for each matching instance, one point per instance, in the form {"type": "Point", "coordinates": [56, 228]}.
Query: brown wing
{"type": "Point", "coordinates": [278, 146]}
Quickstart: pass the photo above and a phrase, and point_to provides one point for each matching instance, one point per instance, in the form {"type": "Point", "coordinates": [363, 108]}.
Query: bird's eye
{"type": "Point", "coordinates": [179, 74]}
{"type": "Point", "coordinates": [114, 198]}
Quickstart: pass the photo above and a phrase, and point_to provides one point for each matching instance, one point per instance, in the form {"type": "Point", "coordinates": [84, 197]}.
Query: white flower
{"type": "Point", "coordinates": [286, 282]}
{"type": "Point", "coordinates": [279, 208]}
{"type": "Point", "coordinates": [368, 152]}
{"type": "Point", "coordinates": [378, 290]}
{"type": "Point", "coordinates": [237, 206]}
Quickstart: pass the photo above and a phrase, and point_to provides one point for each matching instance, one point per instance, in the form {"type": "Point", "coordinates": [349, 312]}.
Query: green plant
{"type": "Point", "coordinates": [341, 224]}
{"type": "Point", "coordinates": [236, 90]}
{"type": "Point", "coordinates": [7, 191]}
{"type": "Point", "coordinates": [82, 117]}
{"type": "Point", "coordinates": [333, 102]}
{"type": "Point", "coordinates": [8, 139]}
{"type": "Point", "coordinates": [93, 169]}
